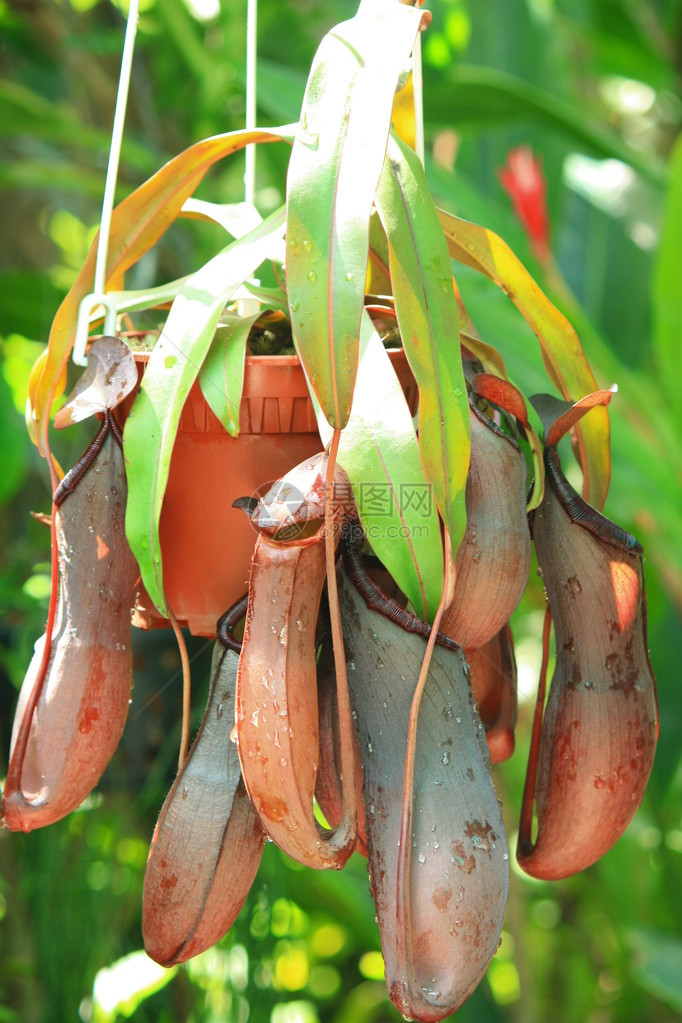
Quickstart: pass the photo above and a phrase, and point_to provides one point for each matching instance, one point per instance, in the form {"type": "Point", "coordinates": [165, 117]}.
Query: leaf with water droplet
{"type": "Point", "coordinates": [414, 903]}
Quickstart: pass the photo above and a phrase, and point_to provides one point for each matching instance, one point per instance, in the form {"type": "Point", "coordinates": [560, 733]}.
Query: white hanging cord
{"type": "Point", "coordinates": [418, 90]}
{"type": "Point", "coordinates": [98, 296]}
{"type": "Point", "coordinates": [251, 62]}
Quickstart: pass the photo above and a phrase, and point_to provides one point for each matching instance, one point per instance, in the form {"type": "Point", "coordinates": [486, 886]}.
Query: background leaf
{"type": "Point", "coordinates": [667, 307]}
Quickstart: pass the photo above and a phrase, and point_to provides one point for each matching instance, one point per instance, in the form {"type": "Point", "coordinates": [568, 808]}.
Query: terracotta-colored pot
{"type": "Point", "coordinates": [207, 544]}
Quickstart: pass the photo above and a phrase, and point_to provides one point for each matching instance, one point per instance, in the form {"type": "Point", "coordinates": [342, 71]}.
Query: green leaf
{"type": "Point", "coordinates": [656, 964]}
{"type": "Point", "coordinates": [427, 316]}
{"type": "Point", "coordinates": [222, 375]}
{"type": "Point", "coordinates": [173, 366]}
{"type": "Point", "coordinates": [380, 453]}
{"type": "Point", "coordinates": [562, 352]}
{"type": "Point", "coordinates": [667, 308]}
{"type": "Point", "coordinates": [483, 95]}
{"type": "Point", "coordinates": [148, 298]}
{"type": "Point", "coordinates": [333, 173]}
{"type": "Point", "coordinates": [136, 225]}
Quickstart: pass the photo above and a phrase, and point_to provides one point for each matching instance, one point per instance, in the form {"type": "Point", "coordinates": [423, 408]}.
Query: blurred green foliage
{"type": "Point", "coordinates": [593, 87]}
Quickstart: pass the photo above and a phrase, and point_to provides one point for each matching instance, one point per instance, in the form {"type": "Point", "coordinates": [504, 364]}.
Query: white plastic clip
{"type": "Point", "coordinates": [98, 298]}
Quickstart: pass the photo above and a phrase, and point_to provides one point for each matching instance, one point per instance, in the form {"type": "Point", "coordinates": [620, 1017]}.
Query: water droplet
{"type": "Point", "coordinates": [311, 276]}
{"type": "Point", "coordinates": [299, 625]}
{"type": "Point", "coordinates": [573, 586]}
{"type": "Point", "coordinates": [73, 632]}
{"type": "Point", "coordinates": [354, 715]}
{"type": "Point", "coordinates": [295, 306]}
{"type": "Point", "coordinates": [370, 747]}
{"type": "Point", "coordinates": [219, 711]}
{"type": "Point", "coordinates": [293, 243]}
{"type": "Point", "coordinates": [307, 244]}
{"type": "Point", "coordinates": [283, 761]}
{"type": "Point", "coordinates": [254, 717]}
{"type": "Point", "coordinates": [448, 713]}
{"type": "Point", "coordinates": [505, 856]}
{"type": "Point", "coordinates": [458, 720]}
{"type": "Point", "coordinates": [349, 276]}
{"type": "Point", "coordinates": [457, 392]}
{"type": "Point", "coordinates": [421, 858]}
{"type": "Point", "coordinates": [445, 758]}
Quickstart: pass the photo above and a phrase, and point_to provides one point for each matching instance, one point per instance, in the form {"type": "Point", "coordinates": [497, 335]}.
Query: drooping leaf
{"type": "Point", "coordinates": [562, 352]}
{"type": "Point", "coordinates": [379, 451]}
{"type": "Point", "coordinates": [136, 225]}
{"type": "Point", "coordinates": [427, 316]}
{"type": "Point", "coordinates": [333, 173]}
{"type": "Point", "coordinates": [110, 376]}
{"type": "Point", "coordinates": [222, 374]}
{"type": "Point", "coordinates": [172, 369]}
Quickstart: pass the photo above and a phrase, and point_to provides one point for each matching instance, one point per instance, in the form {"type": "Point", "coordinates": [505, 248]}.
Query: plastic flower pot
{"type": "Point", "coordinates": [206, 543]}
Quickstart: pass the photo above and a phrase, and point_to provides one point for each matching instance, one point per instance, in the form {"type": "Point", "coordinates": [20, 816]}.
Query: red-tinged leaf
{"type": "Point", "coordinates": [503, 394]}
{"type": "Point", "coordinates": [427, 316]}
{"type": "Point", "coordinates": [72, 710]}
{"type": "Point", "coordinates": [439, 897]}
{"type": "Point", "coordinates": [562, 352]}
{"type": "Point", "coordinates": [591, 757]}
{"type": "Point", "coordinates": [333, 173]}
{"type": "Point", "coordinates": [560, 417]}
{"type": "Point", "coordinates": [136, 225]}
{"type": "Point", "coordinates": [379, 451]}
{"type": "Point", "coordinates": [208, 841]}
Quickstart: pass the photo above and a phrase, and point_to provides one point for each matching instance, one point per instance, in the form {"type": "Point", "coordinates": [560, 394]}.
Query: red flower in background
{"type": "Point", "coordinates": [523, 179]}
